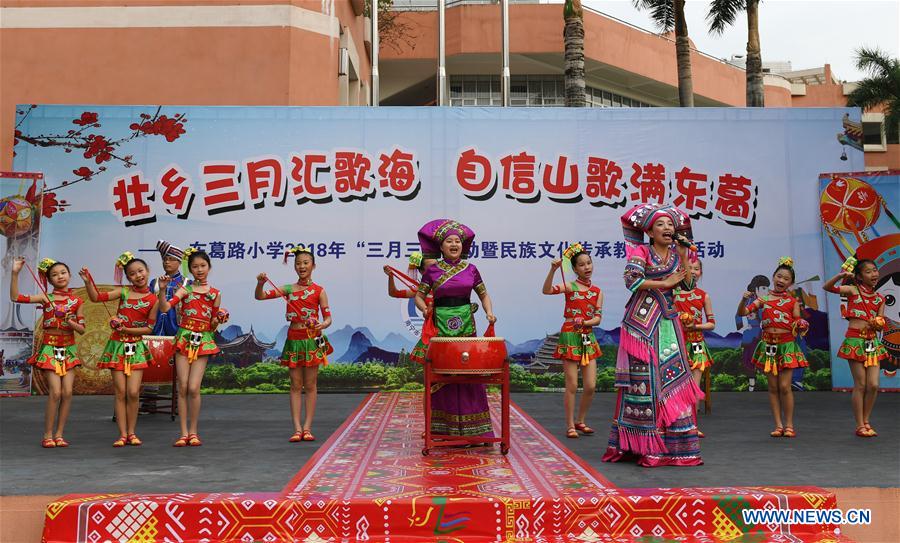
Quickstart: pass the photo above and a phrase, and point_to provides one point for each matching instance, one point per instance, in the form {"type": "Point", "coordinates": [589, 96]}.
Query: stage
{"type": "Point", "coordinates": [365, 478]}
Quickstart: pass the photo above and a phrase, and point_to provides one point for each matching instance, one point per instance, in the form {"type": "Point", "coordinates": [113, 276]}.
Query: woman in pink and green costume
{"type": "Point", "coordinates": [654, 419]}
{"type": "Point", "coordinates": [458, 409]}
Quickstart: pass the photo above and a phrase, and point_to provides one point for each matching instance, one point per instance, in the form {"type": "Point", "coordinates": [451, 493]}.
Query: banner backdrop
{"type": "Point", "coordinates": [859, 216]}
{"type": "Point", "coordinates": [244, 183]}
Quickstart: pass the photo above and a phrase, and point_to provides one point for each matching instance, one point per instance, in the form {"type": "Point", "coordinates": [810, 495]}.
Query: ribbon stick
{"type": "Point", "coordinates": [405, 279]}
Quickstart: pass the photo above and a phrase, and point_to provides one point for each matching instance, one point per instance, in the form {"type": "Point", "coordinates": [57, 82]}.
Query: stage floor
{"type": "Point", "coordinates": [245, 446]}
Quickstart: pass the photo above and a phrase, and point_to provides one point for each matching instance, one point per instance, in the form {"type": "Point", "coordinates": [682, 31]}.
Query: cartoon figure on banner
{"type": "Point", "coordinates": [750, 329]}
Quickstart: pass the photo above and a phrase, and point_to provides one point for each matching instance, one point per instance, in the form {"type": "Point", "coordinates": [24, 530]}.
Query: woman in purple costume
{"type": "Point", "coordinates": [457, 409]}
{"type": "Point", "coordinates": [654, 419]}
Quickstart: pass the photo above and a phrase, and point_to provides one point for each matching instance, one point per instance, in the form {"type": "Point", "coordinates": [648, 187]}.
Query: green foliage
{"type": "Point", "coordinates": [817, 380]}
{"type": "Point", "coordinates": [723, 382]}
{"type": "Point", "coordinates": [550, 380]}
{"type": "Point", "coordinates": [520, 379]}
{"type": "Point", "coordinates": [606, 379]}
{"type": "Point", "coordinates": [818, 360]}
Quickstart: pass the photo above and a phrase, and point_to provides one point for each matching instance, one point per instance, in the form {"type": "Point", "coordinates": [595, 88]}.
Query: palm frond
{"type": "Point", "coordinates": [875, 61]}
{"type": "Point", "coordinates": [870, 93]}
{"type": "Point", "coordinates": [723, 13]}
{"type": "Point", "coordinates": [661, 11]}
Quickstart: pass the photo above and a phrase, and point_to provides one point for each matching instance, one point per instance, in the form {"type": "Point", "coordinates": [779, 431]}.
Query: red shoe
{"type": "Point", "coordinates": [134, 440]}
{"type": "Point", "coordinates": [60, 442]}
{"type": "Point", "coordinates": [298, 436]}
{"type": "Point", "coordinates": [120, 442]}
{"type": "Point", "coordinates": [584, 428]}
{"type": "Point", "coordinates": [307, 436]}
{"type": "Point", "coordinates": [700, 434]}
{"type": "Point", "coordinates": [789, 432]}
{"type": "Point", "coordinates": [194, 440]}
{"type": "Point", "coordinates": [48, 443]}
{"type": "Point", "coordinates": [181, 442]}
{"type": "Point", "coordinates": [572, 433]}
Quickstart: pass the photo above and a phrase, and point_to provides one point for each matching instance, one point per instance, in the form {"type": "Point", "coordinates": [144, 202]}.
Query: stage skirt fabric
{"type": "Point", "coordinates": [571, 345]}
{"type": "Point", "coordinates": [207, 343]}
{"type": "Point", "coordinates": [45, 357]}
{"type": "Point", "coordinates": [698, 353]}
{"type": "Point", "coordinates": [417, 355]}
{"type": "Point", "coordinates": [114, 356]}
{"type": "Point", "coordinates": [302, 351]}
{"type": "Point", "coordinates": [786, 356]}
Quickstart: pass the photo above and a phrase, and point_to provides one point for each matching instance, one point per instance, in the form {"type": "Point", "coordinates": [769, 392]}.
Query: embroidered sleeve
{"type": "Point", "coordinates": [635, 265]}
{"type": "Point", "coordinates": [477, 281]}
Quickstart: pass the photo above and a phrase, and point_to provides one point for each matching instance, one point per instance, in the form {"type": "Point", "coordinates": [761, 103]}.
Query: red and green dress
{"type": "Point", "coordinates": [126, 352]}
{"type": "Point", "coordinates": [777, 352]}
{"type": "Point", "coordinates": [690, 304]}
{"type": "Point", "coordinates": [863, 345]}
{"type": "Point", "coordinates": [577, 342]}
{"type": "Point", "coordinates": [57, 352]}
{"type": "Point", "coordinates": [195, 336]}
{"type": "Point", "coordinates": [305, 347]}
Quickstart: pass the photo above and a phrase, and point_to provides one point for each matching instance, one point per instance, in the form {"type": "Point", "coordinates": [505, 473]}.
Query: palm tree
{"type": "Point", "coordinates": [669, 15]}
{"type": "Point", "coordinates": [722, 14]}
{"type": "Point", "coordinates": [573, 38]}
{"type": "Point", "coordinates": [880, 88]}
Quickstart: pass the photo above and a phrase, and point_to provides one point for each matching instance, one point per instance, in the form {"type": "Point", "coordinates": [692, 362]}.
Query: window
{"type": "Point", "coordinates": [872, 134]}
{"type": "Point", "coordinates": [530, 90]}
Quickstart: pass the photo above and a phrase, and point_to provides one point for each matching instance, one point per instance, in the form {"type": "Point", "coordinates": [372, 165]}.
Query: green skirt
{"type": "Point", "coordinates": [207, 343]}
{"type": "Point", "coordinates": [853, 349]}
{"type": "Point", "coordinates": [786, 356]}
{"type": "Point", "coordinates": [114, 356]}
{"type": "Point", "coordinates": [304, 352]}
{"type": "Point", "coordinates": [571, 346]}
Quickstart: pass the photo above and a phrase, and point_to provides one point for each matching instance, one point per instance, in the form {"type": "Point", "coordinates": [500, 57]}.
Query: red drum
{"type": "Point", "coordinates": [467, 355]}
{"type": "Point", "coordinates": [162, 366]}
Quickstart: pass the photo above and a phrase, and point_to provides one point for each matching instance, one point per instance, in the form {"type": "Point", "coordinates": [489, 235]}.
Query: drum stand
{"type": "Point", "coordinates": [486, 377]}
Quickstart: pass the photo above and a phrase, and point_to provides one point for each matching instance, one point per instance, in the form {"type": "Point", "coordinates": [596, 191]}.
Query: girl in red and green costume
{"type": "Point", "coordinates": [61, 316]}
{"type": "Point", "coordinates": [417, 264]}
{"type": "Point", "coordinates": [125, 353]}
{"type": "Point", "coordinates": [861, 348]}
{"type": "Point", "coordinates": [306, 346]}
{"type": "Point", "coordinates": [199, 316]}
{"type": "Point", "coordinates": [577, 346]}
{"type": "Point", "coordinates": [692, 304]}
{"type": "Point", "coordinates": [777, 354]}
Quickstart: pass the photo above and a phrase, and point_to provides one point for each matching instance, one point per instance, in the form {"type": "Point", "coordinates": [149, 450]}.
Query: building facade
{"type": "Point", "coordinates": [317, 52]}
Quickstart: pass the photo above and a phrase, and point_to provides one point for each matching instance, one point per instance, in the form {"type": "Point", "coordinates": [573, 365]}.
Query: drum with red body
{"type": "Point", "coordinates": [467, 355]}
{"type": "Point", "coordinates": [161, 367]}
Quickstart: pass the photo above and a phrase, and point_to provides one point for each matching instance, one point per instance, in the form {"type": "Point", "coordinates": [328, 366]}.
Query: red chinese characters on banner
{"type": "Point", "coordinates": [177, 191]}
{"type": "Point", "coordinates": [736, 200]}
{"type": "Point", "coordinates": [265, 180]}
{"type": "Point", "coordinates": [220, 181]}
{"type": "Point", "coordinates": [649, 181]}
{"type": "Point", "coordinates": [562, 186]}
{"type": "Point", "coordinates": [475, 175]}
{"type": "Point", "coordinates": [131, 198]}
{"type": "Point", "coordinates": [398, 174]}
{"type": "Point", "coordinates": [352, 177]}
{"type": "Point", "coordinates": [518, 176]}
{"type": "Point", "coordinates": [693, 195]}
{"type": "Point", "coordinates": [604, 183]}
{"type": "Point", "coordinates": [305, 175]}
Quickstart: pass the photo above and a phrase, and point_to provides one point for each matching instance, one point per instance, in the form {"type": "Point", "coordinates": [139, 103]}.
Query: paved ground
{"type": "Point", "coordinates": [245, 446]}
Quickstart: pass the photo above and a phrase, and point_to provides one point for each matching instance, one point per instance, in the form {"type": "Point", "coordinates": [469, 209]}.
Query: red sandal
{"type": "Point", "coordinates": [181, 442]}
{"type": "Point", "coordinates": [777, 432]}
{"type": "Point", "coordinates": [194, 440]}
{"type": "Point", "coordinates": [307, 436]}
{"type": "Point", "coordinates": [134, 440]}
{"type": "Point", "coordinates": [871, 430]}
{"type": "Point", "coordinates": [48, 443]}
{"type": "Point", "coordinates": [120, 442]}
{"type": "Point", "coordinates": [572, 433]}
{"type": "Point", "coordinates": [60, 442]}
{"type": "Point", "coordinates": [298, 436]}
{"type": "Point", "coordinates": [789, 432]}
{"type": "Point", "coordinates": [584, 428]}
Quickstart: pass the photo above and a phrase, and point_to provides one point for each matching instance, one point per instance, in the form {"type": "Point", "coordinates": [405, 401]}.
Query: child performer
{"type": "Point", "coordinates": [417, 264]}
{"type": "Point", "coordinates": [306, 346]}
{"type": "Point", "coordinates": [577, 346]}
{"type": "Point", "coordinates": [862, 348]}
{"type": "Point", "coordinates": [125, 354]}
{"type": "Point", "coordinates": [167, 323]}
{"type": "Point", "coordinates": [62, 316]}
{"type": "Point", "coordinates": [778, 353]}
{"type": "Point", "coordinates": [201, 313]}
{"type": "Point", "coordinates": [692, 304]}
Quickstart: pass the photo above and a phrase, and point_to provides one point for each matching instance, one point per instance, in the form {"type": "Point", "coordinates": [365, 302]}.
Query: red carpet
{"type": "Point", "coordinates": [370, 482]}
